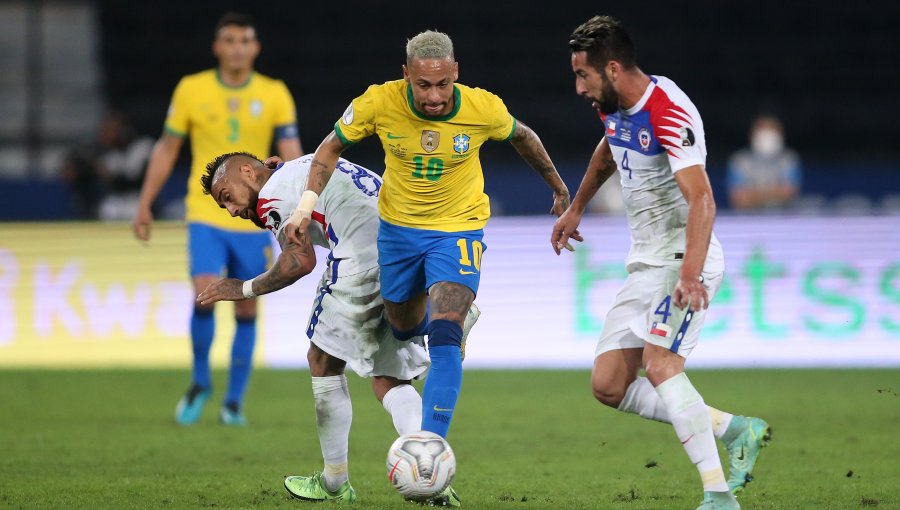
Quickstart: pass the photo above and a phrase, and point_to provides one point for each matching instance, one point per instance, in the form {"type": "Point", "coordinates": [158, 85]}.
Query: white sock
{"type": "Point", "coordinates": [405, 407]}
{"type": "Point", "coordinates": [643, 400]}
{"type": "Point", "coordinates": [693, 426]}
{"type": "Point", "coordinates": [334, 414]}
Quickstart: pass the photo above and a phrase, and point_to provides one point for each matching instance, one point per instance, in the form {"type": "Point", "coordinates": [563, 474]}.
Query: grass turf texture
{"type": "Point", "coordinates": [523, 440]}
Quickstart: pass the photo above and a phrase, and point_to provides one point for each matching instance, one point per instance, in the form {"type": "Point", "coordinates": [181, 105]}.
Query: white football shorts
{"type": "Point", "coordinates": [347, 322]}
{"type": "Point", "coordinates": [644, 312]}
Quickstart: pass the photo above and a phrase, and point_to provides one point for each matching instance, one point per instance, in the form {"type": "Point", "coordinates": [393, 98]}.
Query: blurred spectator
{"type": "Point", "coordinates": [105, 175]}
{"type": "Point", "coordinates": [767, 174]}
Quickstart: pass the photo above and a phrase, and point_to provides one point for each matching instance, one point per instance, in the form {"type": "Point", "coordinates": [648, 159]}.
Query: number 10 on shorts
{"type": "Point", "coordinates": [467, 260]}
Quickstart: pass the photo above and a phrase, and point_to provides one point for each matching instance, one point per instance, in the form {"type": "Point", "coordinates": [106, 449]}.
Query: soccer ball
{"type": "Point", "coordinates": [420, 465]}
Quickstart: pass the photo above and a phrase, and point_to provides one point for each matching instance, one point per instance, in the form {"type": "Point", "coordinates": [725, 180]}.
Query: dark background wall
{"type": "Point", "coordinates": [830, 70]}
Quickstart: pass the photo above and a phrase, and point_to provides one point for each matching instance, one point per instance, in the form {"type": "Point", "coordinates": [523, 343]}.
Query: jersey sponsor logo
{"type": "Point", "coordinates": [687, 136]}
{"type": "Point", "coordinates": [430, 140]}
{"type": "Point", "coordinates": [347, 117]}
{"type": "Point", "coordinates": [256, 108]}
{"type": "Point", "coordinates": [644, 139]}
{"type": "Point", "coordinates": [392, 136]}
{"type": "Point", "coordinates": [464, 272]}
{"type": "Point", "coordinates": [461, 143]}
{"type": "Point", "coordinates": [234, 104]}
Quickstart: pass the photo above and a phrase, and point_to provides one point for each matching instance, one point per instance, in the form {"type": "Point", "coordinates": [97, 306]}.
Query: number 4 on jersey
{"type": "Point", "coordinates": [625, 163]}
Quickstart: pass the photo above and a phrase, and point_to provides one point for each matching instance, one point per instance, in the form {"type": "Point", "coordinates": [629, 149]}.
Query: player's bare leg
{"type": "Point", "coordinates": [334, 414]}
{"type": "Point", "coordinates": [408, 318]}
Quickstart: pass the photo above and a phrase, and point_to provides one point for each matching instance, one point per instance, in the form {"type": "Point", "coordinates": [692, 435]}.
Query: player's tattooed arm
{"type": "Point", "coordinates": [324, 161]}
{"type": "Point", "coordinates": [599, 169]}
{"type": "Point", "coordinates": [529, 146]}
{"type": "Point", "coordinates": [294, 262]}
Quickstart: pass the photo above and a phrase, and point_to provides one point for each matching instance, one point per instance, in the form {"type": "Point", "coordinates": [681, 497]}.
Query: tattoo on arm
{"type": "Point", "coordinates": [529, 146]}
{"type": "Point", "coordinates": [319, 173]}
{"type": "Point", "coordinates": [290, 266]}
{"type": "Point", "coordinates": [593, 180]}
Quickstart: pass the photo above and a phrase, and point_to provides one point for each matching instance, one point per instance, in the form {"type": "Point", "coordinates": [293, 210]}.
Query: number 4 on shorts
{"type": "Point", "coordinates": [663, 309]}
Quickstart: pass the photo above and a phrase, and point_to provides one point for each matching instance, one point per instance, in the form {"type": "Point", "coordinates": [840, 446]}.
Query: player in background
{"type": "Point", "coordinates": [225, 109]}
{"type": "Point", "coordinates": [347, 325]}
{"type": "Point", "coordinates": [433, 206]}
{"type": "Point", "coordinates": [654, 134]}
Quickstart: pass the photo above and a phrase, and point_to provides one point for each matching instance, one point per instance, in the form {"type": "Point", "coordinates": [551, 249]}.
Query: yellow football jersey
{"type": "Point", "coordinates": [220, 119]}
{"type": "Point", "coordinates": [432, 178]}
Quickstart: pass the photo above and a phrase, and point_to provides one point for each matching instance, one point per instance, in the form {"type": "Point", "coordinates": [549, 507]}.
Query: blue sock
{"type": "Point", "coordinates": [203, 328]}
{"type": "Point", "coordinates": [241, 360]}
{"type": "Point", "coordinates": [419, 330]}
{"type": "Point", "coordinates": [444, 378]}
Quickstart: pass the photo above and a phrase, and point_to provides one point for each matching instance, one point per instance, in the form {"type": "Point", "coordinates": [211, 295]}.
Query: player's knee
{"type": "Point", "coordinates": [322, 364]}
{"type": "Point", "coordinates": [409, 334]}
{"type": "Point", "coordinates": [659, 370]}
{"type": "Point", "coordinates": [444, 332]}
{"type": "Point", "coordinates": [610, 395]}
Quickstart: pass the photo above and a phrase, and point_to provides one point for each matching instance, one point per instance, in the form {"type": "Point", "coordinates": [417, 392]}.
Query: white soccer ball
{"type": "Point", "coordinates": [420, 465]}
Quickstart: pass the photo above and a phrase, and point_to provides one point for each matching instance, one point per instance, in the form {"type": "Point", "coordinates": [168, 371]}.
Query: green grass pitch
{"type": "Point", "coordinates": [523, 440]}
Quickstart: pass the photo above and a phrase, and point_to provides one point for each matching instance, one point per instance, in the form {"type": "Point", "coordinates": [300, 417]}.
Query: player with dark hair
{"type": "Point", "coordinates": [346, 326]}
{"type": "Point", "coordinates": [654, 135]}
{"type": "Point", "coordinates": [225, 109]}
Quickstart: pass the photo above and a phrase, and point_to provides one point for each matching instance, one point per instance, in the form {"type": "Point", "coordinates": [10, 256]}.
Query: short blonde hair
{"type": "Point", "coordinates": [429, 45]}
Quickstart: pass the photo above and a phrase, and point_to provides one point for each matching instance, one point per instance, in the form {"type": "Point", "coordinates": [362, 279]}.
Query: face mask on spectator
{"type": "Point", "coordinates": [767, 142]}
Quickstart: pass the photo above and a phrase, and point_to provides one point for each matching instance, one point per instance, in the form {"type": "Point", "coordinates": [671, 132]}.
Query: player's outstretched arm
{"type": "Point", "coordinates": [529, 146]}
{"type": "Point", "coordinates": [294, 262]}
{"type": "Point", "coordinates": [694, 185]}
{"type": "Point", "coordinates": [600, 167]}
{"type": "Point", "coordinates": [320, 170]}
{"type": "Point", "coordinates": [159, 168]}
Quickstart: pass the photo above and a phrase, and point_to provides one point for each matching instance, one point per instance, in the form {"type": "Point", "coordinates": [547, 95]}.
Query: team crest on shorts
{"type": "Point", "coordinates": [430, 140]}
{"type": "Point", "coordinates": [461, 143]}
{"type": "Point", "coordinates": [644, 139]}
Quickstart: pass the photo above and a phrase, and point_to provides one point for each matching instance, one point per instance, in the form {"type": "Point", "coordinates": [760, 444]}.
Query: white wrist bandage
{"type": "Point", "coordinates": [307, 203]}
{"type": "Point", "coordinates": [248, 289]}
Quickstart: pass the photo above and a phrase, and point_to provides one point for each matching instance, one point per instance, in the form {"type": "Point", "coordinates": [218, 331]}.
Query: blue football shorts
{"type": "Point", "coordinates": [412, 259]}
{"type": "Point", "coordinates": [243, 255]}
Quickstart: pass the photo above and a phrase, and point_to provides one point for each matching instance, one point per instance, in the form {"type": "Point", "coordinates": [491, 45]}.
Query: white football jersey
{"type": "Point", "coordinates": [345, 218]}
{"type": "Point", "coordinates": [658, 136]}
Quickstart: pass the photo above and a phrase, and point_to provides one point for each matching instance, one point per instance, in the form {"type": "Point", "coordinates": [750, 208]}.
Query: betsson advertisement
{"type": "Point", "coordinates": [798, 291]}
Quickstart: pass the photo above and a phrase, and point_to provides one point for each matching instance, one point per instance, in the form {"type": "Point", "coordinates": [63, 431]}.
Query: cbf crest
{"type": "Point", "coordinates": [430, 140]}
{"type": "Point", "coordinates": [461, 143]}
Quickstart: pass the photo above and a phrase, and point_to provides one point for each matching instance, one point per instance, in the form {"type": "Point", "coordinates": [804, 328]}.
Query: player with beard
{"type": "Point", "coordinates": [654, 135]}
{"type": "Point", "coordinates": [346, 326]}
